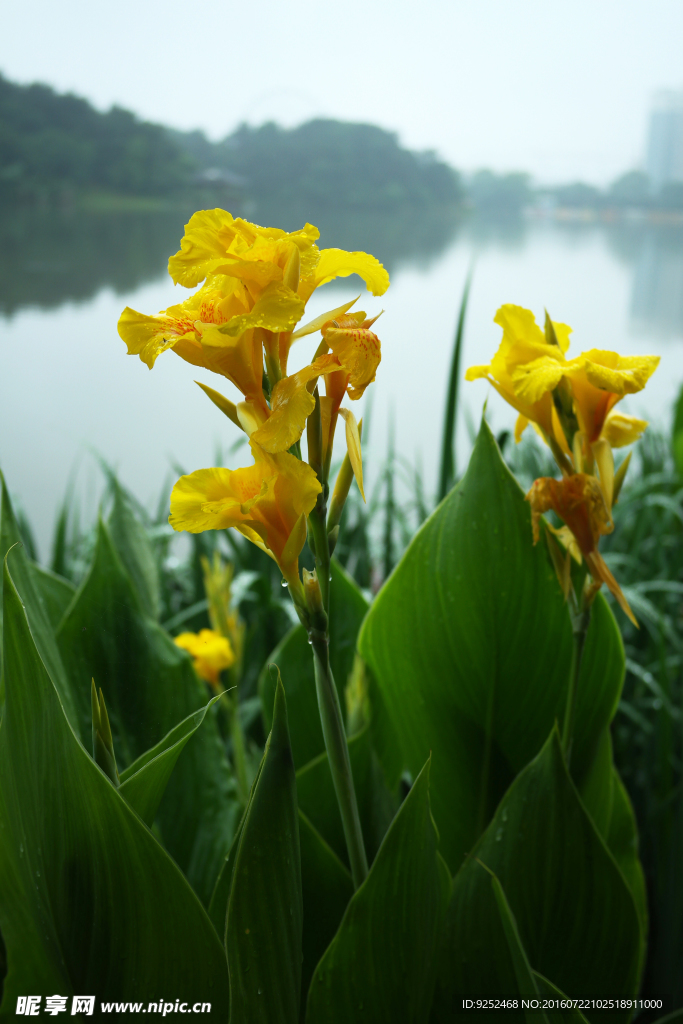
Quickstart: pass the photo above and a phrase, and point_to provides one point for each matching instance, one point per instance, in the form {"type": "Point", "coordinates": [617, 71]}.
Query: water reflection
{"type": "Point", "coordinates": [657, 296]}
{"type": "Point", "coordinates": [50, 257]}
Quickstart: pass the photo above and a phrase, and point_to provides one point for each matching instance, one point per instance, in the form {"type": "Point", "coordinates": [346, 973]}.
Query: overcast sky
{"type": "Point", "coordinates": [561, 89]}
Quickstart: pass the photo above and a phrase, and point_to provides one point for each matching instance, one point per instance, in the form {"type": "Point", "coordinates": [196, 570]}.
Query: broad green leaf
{"type": "Point", "coordinates": [89, 901]}
{"type": "Point", "coordinates": [380, 966]}
{"type": "Point", "coordinates": [150, 686]}
{"type": "Point", "coordinates": [326, 889]}
{"type": "Point", "coordinates": [135, 551]}
{"type": "Point", "coordinates": [469, 642]}
{"type": "Point", "coordinates": [144, 782]}
{"type": "Point", "coordinates": [376, 804]}
{"type": "Point", "coordinates": [264, 919]}
{"type": "Point", "coordinates": [218, 905]}
{"type": "Point", "coordinates": [576, 917]}
{"type": "Point", "coordinates": [622, 840]}
{"type": "Point", "coordinates": [526, 983]}
{"type": "Point", "coordinates": [294, 658]}
{"type": "Point", "coordinates": [56, 593]}
{"type": "Point", "coordinates": [28, 579]}
{"type": "Point", "coordinates": [563, 1015]}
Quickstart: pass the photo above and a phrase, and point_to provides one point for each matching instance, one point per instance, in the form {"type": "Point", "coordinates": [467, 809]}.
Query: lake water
{"type": "Point", "coordinates": [70, 392]}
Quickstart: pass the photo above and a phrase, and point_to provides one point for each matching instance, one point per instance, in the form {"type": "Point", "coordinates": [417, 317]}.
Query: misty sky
{"type": "Point", "coordinates": [561, 89]}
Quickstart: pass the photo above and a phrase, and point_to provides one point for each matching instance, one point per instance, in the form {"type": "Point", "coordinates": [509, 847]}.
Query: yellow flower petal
{"type": "Point", "coordinates": [353, 448]}
{"type": "Point", "coordinates": [214, 240]}
{"type": "Point", "coordinates": [520, 426]}
{"type": "Point", "coordinates": [291, 405]}
{"type": "Point", "coordinates": [314, 325]}
{"type": "Point", "coordinates": [277, 309]}
{"type": "Point", "coordinates": [620, 429]}
{"type": "Point", "coordinates": [532, 380]}
{"type": "Point", "coordinates": [599, 380]}
{"type": "Point", "coordinates": [212, 499]}
{"type": "Point", "coordinates": [622, 375]}
{"type": "Point", "coordinates": [562, 332]}
{"type": "Point", "coordinates": [212, 653]}
{"type": "Point", "coordinates": [477, 372]}
{"type": "Point", "coordinates": [359, 351]}
{"type": "Point", "coordinates": [335, 263]}
{"type": "Point", "coordinates": [208, 235]}
{"type": "Point", "coordinates": [149, 336]}
{"type": "Point", "coordinates": [239, 359]}
{"type": "Point", "coordinates": [264, 502]}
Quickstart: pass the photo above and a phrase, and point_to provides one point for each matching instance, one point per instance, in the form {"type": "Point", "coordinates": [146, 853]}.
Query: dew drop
{"type": "Point", "coordinates": [499, 835]}
{"type": "Point", "coordinates": [283, 583]}
{"type": "Point", "coordinates": [504, 815]}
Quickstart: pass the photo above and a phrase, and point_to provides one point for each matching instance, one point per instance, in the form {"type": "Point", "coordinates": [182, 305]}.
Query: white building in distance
{"type": "Point", "coordinates": [665, 140]}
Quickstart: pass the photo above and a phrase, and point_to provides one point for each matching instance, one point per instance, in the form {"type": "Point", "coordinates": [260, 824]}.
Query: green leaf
{"type": "Point", "coordinates": [562, 1015]}
{"type": "Point", "coordinates": [149, 686]}
{"type": "Point", "coordinates": [144, 782]}
{"type": "Point", "coordinates": [376, 804]}
{"type": "Point", "coordinates": [89, 901]}
{"type": "Point", "coordinates": [135, 551]}
{"type": "Point", "coordinates": [29, 580]}
{"type": "Point", "coordinates": [56, 593]}
{"type": "Point", "coordinates": [469, 642]}
{"type": "Point", "coordinates": [326, 889]}
{"type": "Point", "coordinates": [523, 973]}
{"type": "Point", "coordinates": [264, 919]}
{"type": "Point", "coordinates": [677, 434]}
{"type": "Point", "coordinates": [576, 917]}
{"type": "Point", "coordinates": [294, 659]}
{"type": "Point", "coordinates": [380, 966]}
{"type": "Point", "coordinates": [622, 840]}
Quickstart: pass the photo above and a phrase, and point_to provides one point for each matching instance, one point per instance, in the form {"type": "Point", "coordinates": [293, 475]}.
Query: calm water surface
{"type": "Point", "coordinates": [69, 390]}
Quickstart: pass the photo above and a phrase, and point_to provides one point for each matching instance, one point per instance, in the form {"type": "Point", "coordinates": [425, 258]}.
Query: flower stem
{"type": "Point", "coordinates": [316, 620]}
{"type": "Point", "coordinates": [580, 622]}
{"type": "Point", "coordinates": [338, 757]}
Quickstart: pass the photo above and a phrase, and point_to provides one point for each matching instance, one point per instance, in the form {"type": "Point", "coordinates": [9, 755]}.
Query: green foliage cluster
{"type": "Point", "coordinates": [453, 679]}
{"type": "Point", "coordinates": [50, 141]}
{"type": "Point", "coordinates": [332, 162]}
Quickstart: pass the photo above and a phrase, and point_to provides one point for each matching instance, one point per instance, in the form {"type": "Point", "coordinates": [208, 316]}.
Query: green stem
{"type": "Point", "coordinates": [580, 622]}
{"type": "Point", "coordinates": [317, 522]}
{"type": "Point", "coordinates": [338, 757]}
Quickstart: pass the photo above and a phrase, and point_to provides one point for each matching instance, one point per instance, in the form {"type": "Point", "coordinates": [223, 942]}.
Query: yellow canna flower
{"type": "Point", "coordinates": [524, 343]}
{"type": "Point", "coordinates": [272, 264]}
{"type": "Point", "coordinates": [291, 404]}
{"type": "Point", "coordinates": [564, 397]}
{"type": "Point", "coordinates": [192, 330]}
{"type": "Point", "coordinates": [217, 243]}
{"type": "Point", "coordinates": [210, 651]}
{"type": "Point", "coordinates": [267, 503]}
{"type": "Point", "coordinates": [579, 501]}
{"type": "Point", "coordinates": [601, 379]}
{"type": "Point", "coordinates": [357, 348]}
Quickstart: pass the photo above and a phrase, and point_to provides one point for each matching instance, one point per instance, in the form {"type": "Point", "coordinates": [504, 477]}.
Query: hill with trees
{"type": "Point", "coordinates": [54, 145]}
